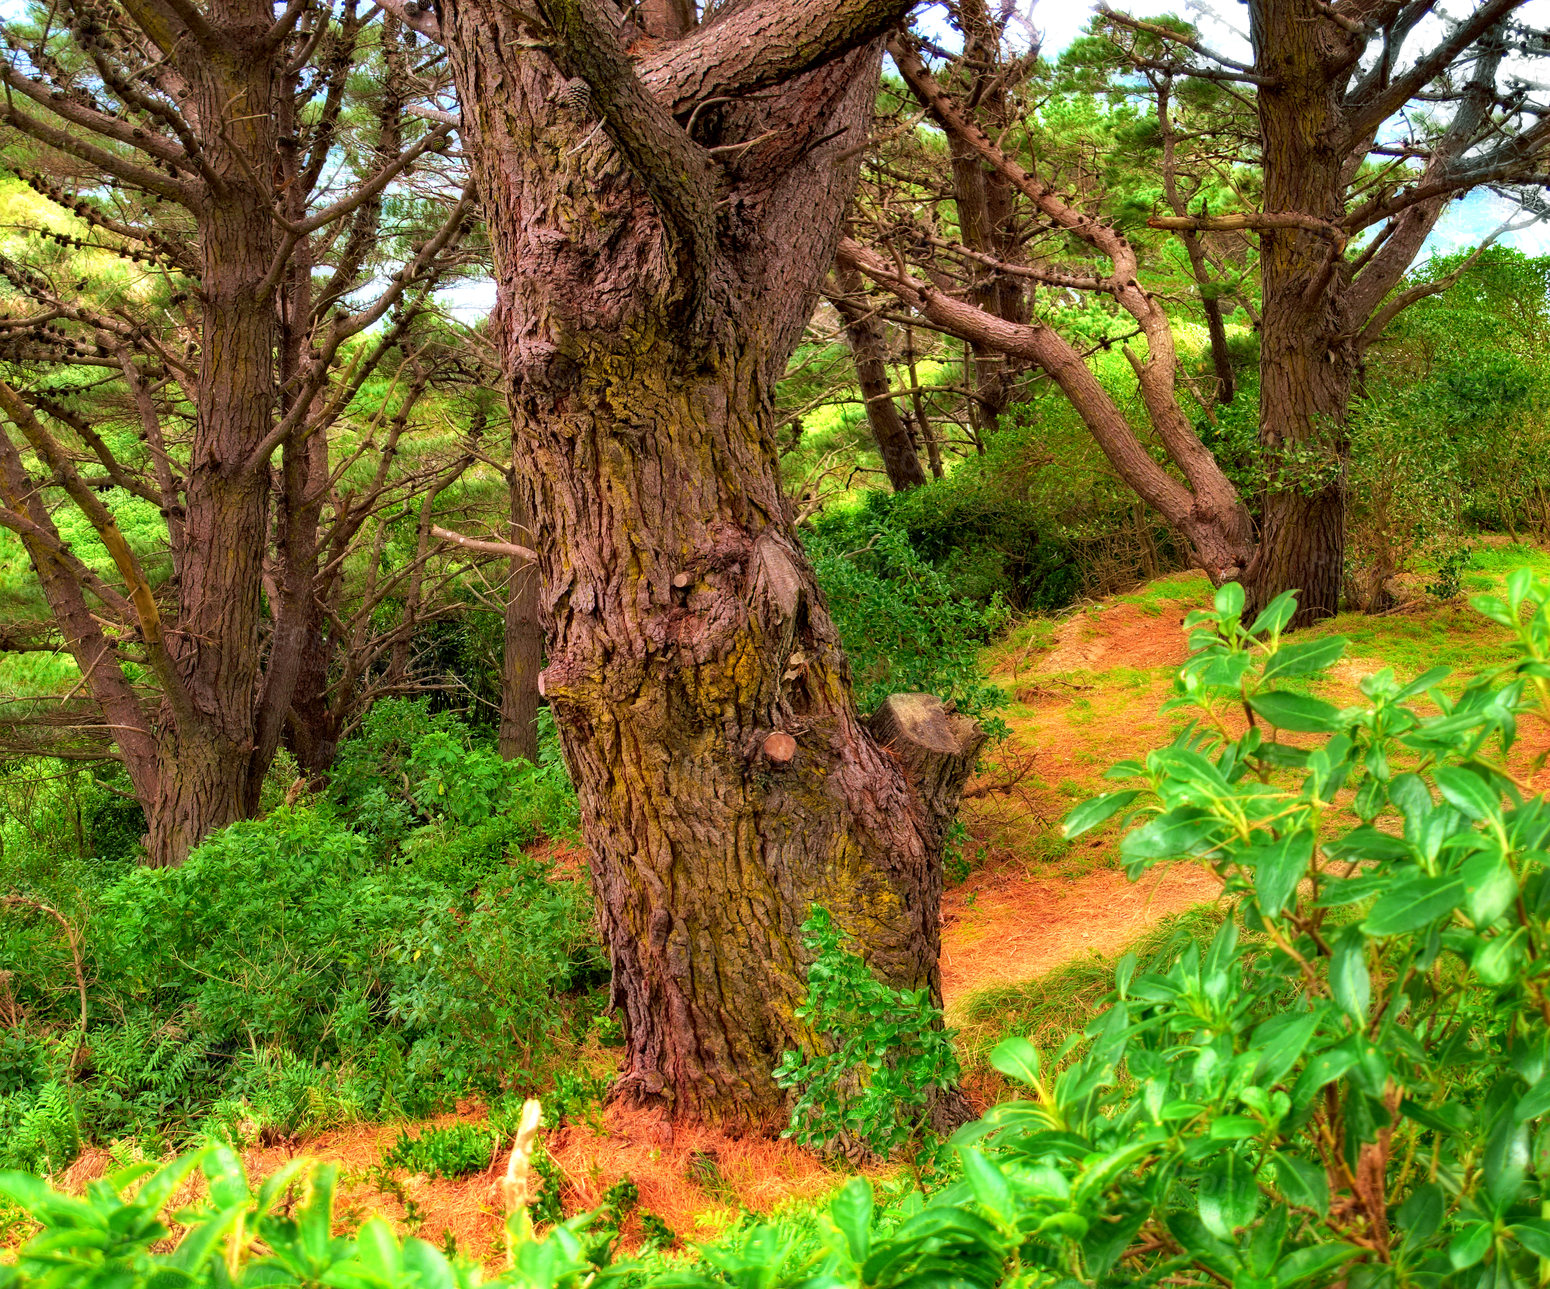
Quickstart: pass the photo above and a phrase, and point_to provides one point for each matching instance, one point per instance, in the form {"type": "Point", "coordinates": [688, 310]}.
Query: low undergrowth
{"type": "Point", "coordinates": [1345, 1081]}
{"type": "Point", "coordinates": [379, 951]}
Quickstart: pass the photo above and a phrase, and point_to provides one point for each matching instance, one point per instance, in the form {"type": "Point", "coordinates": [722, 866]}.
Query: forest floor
{"type": "Point", "coordinates": [1030, 934]}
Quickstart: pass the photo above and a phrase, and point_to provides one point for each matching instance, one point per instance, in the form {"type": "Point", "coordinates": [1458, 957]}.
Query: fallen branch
{"type": "Point", "coordinates": [1012, 775]}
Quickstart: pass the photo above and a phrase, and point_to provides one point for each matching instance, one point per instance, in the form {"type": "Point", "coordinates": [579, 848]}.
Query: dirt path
{"type": "Point", "coordinates": [1092, 698]}
{"type": "Point", "coordinates": [1015, 926]}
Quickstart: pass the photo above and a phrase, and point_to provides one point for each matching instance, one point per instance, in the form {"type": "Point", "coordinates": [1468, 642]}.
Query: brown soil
{"type": "Point", "coordinates": [1123, 635]}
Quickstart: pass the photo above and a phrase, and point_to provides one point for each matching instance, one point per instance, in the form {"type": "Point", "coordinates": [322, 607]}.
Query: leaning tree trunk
{"type": "Point", "coordinates": [727, 783]}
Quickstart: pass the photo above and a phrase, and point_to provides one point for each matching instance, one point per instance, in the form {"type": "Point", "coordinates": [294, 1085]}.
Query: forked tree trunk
{"type": "Point", "coordinates": [523, 651]}
{"type": "Point", "coordinates": [685, 628]}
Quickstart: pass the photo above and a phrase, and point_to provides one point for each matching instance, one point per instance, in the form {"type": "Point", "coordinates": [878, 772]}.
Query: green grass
{"type": "Point", "coordinates": [1156, 598]}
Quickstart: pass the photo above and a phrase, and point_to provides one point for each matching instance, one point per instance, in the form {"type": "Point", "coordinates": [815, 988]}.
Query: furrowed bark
{"type": "Point", "coordinates": [523, 653]}
{"type": "Point", "coordinates": [684, 624]}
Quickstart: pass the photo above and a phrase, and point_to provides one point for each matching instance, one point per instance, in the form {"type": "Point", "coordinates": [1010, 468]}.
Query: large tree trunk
{"type": "Point", "coordinates": [1308, 356]}
{"type": "Point", "coordinates": [726, 781]}
{"type": "Point", "coordinates": [205, 760]}
{"type": "Point", "coordinates": [523, 652]}
{"type": "Point", "coordinates": [869, 352]}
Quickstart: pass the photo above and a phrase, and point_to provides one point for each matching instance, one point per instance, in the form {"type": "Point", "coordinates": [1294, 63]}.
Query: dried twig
{"type": "Point", "coordinates": [514, 1186]}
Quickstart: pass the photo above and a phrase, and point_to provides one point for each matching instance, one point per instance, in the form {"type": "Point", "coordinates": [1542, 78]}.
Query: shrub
{"type": "Point", "coordinates": [312, 967]}
{"type": "Point", "coordinates": [883, 1059]}
{"type": "Point", "coordinates": [901, 626]}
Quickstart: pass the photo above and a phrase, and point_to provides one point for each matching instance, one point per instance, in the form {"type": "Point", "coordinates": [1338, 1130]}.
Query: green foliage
{"type": "Point", "coordinates": [1361, 1087]}
{"type": "Point", "coordinates": [883, 1058]}
{"type": "Point", "coordinates": [339, 959]}
{"type": "Point", "coordinates": [454, 1151]}
{"type": "Point", "coordinates": [1455, 559]}
{"type": "Point", "coordinates": [902, 628]}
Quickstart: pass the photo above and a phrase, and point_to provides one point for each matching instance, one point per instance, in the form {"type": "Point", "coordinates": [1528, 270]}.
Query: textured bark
{"type": "Point", "coordinates": [1308, 356]}
{"type": "Point", "coordinates": [869, 351]}
{"type": "Point", "coordinates": [982, 197]}
{"type": "Point", "coordinates": [523, 652]}
{"type": "Point", "coordinates": [204, 762]}
{"type": "Point", "coordinates": [684, 623]}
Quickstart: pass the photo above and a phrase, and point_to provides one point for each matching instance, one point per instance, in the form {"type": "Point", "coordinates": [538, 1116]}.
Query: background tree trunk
{"type": "Point", "coordinates": [869, 351]}
{"type": "Point", "coordinates": [205, 759]}
{"type": "Point", "coordinates": [1307, 356]}
{"type": "Point", "coordinates": [684, 623]}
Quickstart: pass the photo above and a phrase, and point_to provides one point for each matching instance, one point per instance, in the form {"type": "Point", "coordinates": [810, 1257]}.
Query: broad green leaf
{"type": "Point", "coordinates": [1498, 958]}
{"type": "Point", "coordinates": [1275, 615]}
{"type": "Point", "coordinates": [1229, 1196]}
{"type": "Point", "coordinates": [1489, 887]}
{"type": "Point", "coordinates": [377, 1248]}
{"type": "Point", "coordinates": [1097, 810]}
{"type": "Point", "coordinates": [1313, 1262]}
{"type": "Point", "coordinates": [1413, 904]}
{"type": "Point", "coordinates": [1233, 1127]}
{"type": "Point", "coordinates": [1323, 1068]}
{"type": "Point", "coordinates": [1534, 1235]}
{"type": "Point", "coordinates": [1471, 1244]}
{"type": "Point", "coordinates": [1449, 1117]}
{"type": "Point", "coordinates": [1304, 657]}
{"type": "Point", "coordinates": [1278, 868]}
{"type": "Point", "coordinates": [1367, 842]}
{"type": "Point", "coordinates": [1184, 831]}
{"type": "Point", "coordinates": [1468, 792]}
{"type": "Point", "coordinates": [1520, 582]}
{"type": "Point", "coordinates": [1282, 1039]}
{"type": "Point", "coordinates": [1228, 601]}
{"type": "Point", "coordinates": [1349, 981]}
{"type": "Point", "coordinates": [1018, 1059]}
{"type": "Point", "coordinates": [990, 1186]}
{"type": "Point", "coordinates": [851, 1213]}
{"type": "Point", "coordinates": [1506, 1161]}
{"type": "Point", "coordinates": [1296, 712]}
{"type": "Point", "coordinates": [426, 1267]}
{"type": "Point", "coordinates": [1494, 609]}
{"type": "Point", "coordinates": [1303, 1182]}
{"type": "Point", "coordinates": [1422, 683]}
{"type": "Point", "coordinates": [1534, 1102]}
{"type": "Point", "coordinates": [1421, 1214]}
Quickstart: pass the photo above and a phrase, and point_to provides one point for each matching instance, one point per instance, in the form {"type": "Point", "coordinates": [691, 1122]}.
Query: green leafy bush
{"type": "Point", "coordinates": [311, 968]}
{"type": "Point", "coordinates": [885, 1058]}
{"type": "Point", "coordinates": [902, 628]}
{"type": "Point", "coordinates": [454, 1151]}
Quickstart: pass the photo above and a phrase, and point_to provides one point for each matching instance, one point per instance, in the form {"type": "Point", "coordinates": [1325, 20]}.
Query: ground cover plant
{"type": "Point", "coordinates": [379, 950]}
